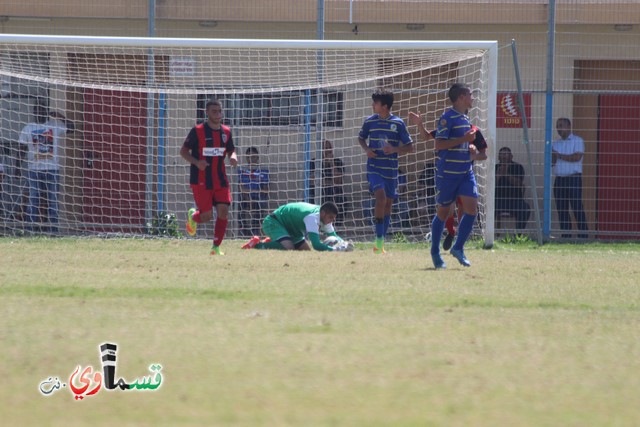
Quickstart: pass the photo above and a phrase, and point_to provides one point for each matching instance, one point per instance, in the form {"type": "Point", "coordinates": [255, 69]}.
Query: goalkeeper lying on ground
{"type": "Point", "coordinates": [287, 227]}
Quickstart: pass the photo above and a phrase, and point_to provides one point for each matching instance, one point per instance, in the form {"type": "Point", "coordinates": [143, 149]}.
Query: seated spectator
{"type": "Point", "coordinates": [254, 193]}
{"type": "Point", "coordinates": [332, 180]}
{"type": "Point", "coordinates": [427, 191]}
{"type": "Point", "coordinates": [510, 189]}
{"type": "Point", "coordinates": [400, 212]}
{"type": "Point", "coordinates": [1, 191]}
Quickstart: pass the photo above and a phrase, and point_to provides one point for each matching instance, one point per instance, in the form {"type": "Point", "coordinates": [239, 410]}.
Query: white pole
{"type": "Point", "coordinates": [489, 229]}
{"type": "Point", "coordinates": [244, 43]}
{"type": "Point", "coordinates": [149, 179]}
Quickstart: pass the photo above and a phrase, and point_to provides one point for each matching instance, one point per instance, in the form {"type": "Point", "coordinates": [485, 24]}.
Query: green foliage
{"type": "Point", "coordinates": [165, 224]}
{"type": "Point", "coordinates": [515, 238]}
{"type": "Point", "coordinates": [399, 237]}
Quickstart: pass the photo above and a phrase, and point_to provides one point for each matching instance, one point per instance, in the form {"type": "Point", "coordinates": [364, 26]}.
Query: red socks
{"type": "Point", "coordinates": [449, 225]}
{"type": "Point", "coordinates": [219, 231]}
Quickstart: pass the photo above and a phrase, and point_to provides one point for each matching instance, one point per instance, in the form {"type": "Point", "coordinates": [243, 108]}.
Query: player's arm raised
{"type": "Point", "coordinates": [416, 120]}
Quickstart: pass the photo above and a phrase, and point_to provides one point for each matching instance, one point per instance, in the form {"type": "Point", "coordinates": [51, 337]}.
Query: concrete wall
{"type": "Point", "coordinates": [363, 11]}
{"type": "Point", "coordinates": [525, 23]}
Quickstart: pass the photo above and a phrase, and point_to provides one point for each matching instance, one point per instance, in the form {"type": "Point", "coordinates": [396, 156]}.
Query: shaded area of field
{"type": "Point", "coordinates": [526, 336]}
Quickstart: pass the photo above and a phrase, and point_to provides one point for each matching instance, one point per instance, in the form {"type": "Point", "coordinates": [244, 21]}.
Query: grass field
{"type": "Point", "coordinates": [527, 336]}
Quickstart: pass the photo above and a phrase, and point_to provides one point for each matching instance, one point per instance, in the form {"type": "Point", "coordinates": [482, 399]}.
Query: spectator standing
{"type": "Point", "coordinates": [41, 144]}
{"type": "Point", "coordinates": [566, 158]}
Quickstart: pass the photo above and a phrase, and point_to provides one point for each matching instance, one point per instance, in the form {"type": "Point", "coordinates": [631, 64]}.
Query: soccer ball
{"type": "Point", "coordinates": [348, 246]}
{"type": "Point", "coordinates": [427, 237]}
{"type": "Point", "coordinates": [339, 245]}
{"type": "Point", "coordinates": [331, 241]}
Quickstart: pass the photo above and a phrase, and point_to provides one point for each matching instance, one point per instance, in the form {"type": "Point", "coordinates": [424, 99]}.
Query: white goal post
{"type": "Point", "coordinates": [120, 109]}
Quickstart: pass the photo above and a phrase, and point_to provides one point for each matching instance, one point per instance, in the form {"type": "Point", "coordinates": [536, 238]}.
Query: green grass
{"type": "Point", "coordinates": [527, 336]}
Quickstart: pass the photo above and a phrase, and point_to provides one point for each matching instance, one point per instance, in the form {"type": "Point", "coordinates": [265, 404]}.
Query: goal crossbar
{"type": "Point", "coordinates": [245, 43]}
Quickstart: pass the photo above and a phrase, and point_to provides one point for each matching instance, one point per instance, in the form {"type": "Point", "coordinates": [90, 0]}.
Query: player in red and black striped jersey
{"type": "Point", "coordinates": [205, 148]}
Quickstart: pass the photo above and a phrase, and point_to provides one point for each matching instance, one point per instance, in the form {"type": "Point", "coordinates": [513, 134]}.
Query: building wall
{"type": "Point", "coordinates": [594, 39]}
{"type": "Point", "coordinates": [364, 11]}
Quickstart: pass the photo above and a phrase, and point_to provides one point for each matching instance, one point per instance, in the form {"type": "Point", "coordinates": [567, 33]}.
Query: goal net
{"type": "Point", "coordinates": [116, 112]}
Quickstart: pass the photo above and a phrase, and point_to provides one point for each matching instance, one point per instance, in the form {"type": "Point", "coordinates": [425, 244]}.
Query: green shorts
{"type": "Point", "coordinates": [277, 232]}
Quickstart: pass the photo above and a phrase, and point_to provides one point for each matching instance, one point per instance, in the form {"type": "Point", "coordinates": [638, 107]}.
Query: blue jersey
{"type": "Point", "coordinates": [379, 132]}
{"type": "Point", "coordinates": [254, 181]}
{"type": "Point", "coordinates": [455, 160]}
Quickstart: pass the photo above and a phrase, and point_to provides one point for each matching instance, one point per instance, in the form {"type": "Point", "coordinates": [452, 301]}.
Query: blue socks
{"type": "Point", "coordinates": [380, 229]}
{"type": "Point", "coordinates": [387, 223]}
{"type": "Point", "coordinates": [437, 227]}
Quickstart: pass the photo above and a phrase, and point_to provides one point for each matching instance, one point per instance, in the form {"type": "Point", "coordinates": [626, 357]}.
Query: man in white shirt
{"type": "Point", "coordinates": [566, 158]}
{"type": "Point", "coordinates": [41, 140]}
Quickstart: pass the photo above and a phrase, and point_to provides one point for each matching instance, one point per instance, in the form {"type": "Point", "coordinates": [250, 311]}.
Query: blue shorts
{"type": "Point", "coordinates": [390, 186]}
{"type": "Point", "coordinates": [449, 187]}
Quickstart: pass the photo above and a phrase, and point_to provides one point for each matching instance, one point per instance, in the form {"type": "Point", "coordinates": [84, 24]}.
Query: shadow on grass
{"type": "Point", "coordinates": [120, 292]}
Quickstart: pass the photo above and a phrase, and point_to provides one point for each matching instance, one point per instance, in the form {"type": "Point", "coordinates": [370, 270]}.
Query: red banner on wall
{"type": "Point", "coordinates": [509, 114]}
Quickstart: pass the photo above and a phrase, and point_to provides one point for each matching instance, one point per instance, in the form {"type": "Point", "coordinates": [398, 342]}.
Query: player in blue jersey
{"type": "Point", "coordinates": [388, 137]}
{"type": "Point", "coordinates": [454, 175]}
{"type": "Point", "coordinates": [478, 151]}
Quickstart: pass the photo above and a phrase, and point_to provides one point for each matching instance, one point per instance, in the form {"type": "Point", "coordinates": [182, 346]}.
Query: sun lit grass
{"type": "Point", "coordinates": [526, 336]}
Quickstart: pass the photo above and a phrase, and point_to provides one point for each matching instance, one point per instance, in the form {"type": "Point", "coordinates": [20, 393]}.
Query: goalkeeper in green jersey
{"type": "Point", "coordinates": [288, 227]}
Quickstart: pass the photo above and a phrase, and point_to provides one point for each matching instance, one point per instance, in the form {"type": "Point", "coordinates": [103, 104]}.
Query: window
{"type": "Point", "coordinates": [227, 107]}
{"type": "Point", "coordinates": [276, 108]}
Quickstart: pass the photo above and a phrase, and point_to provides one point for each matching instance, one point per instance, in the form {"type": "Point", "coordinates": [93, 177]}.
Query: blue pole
{"type": "Point", "coordinates": [320, 20]}
{"type": "Point", "coordinates": [307, 142]}
{"type": "Point", "coordinates": [549, 125]}
{"type": "Point", "coordinates": [162, 117]}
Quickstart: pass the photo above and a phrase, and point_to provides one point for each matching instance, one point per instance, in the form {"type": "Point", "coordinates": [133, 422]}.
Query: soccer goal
{"type": "Point", "coordinates": [119, 110]}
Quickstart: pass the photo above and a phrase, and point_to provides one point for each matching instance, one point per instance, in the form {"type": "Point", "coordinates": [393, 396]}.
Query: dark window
{"type": "Point", "coordinates": [276, 108]}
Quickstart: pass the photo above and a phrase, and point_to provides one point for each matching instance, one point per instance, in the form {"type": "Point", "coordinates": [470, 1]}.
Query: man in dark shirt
{"type": "Point", "coordinates": [510, 189]}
